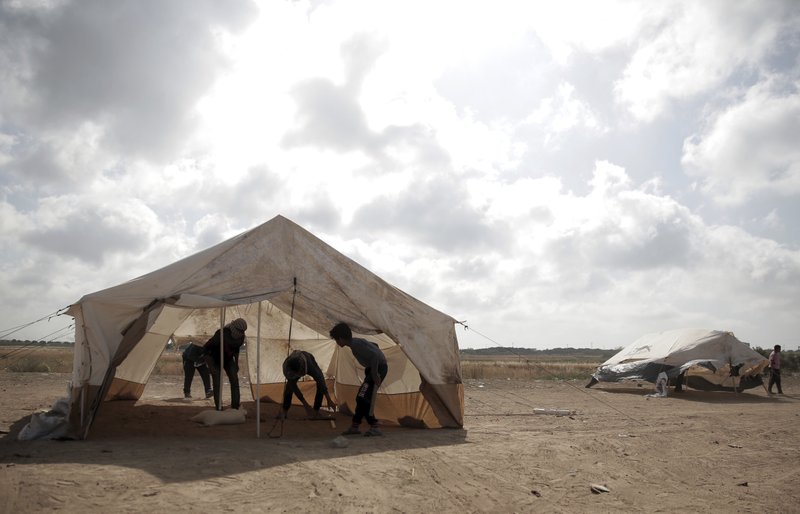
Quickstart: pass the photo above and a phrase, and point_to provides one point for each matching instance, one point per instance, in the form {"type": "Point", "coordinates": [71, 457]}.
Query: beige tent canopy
{"type": "Point", "coordinates": [295, 280]}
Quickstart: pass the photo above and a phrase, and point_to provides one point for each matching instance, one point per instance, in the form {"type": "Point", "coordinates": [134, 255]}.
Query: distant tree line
{"type": "Point", "coordinates": [26, 342]}
{"type": "Point", "coordinates": [532, 352]}
{"type": "Point", "coordinates": [790, 359]}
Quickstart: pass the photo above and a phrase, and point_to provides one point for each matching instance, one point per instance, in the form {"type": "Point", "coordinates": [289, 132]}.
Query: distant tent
{"type": "Point", "coordinates": [702, 359]}
{"type": "Point", "coordinates": [301, 283]}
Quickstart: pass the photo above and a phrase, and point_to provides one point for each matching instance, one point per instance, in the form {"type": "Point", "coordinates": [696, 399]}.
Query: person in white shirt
{"type": "Point", "coordinates": [775, 369]}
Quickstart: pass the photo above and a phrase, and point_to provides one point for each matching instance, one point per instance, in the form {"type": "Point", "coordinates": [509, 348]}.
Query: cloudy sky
{"type": "Point", "coordinates": [554, 173]}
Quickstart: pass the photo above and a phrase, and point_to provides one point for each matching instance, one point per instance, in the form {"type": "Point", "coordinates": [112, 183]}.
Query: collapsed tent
{"type": "Point", "coordinates": [710, 360]}
{"type": "Point", "coordinates": [291, 287]}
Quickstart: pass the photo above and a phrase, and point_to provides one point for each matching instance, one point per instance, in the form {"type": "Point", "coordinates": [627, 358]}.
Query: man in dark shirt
{"type": "Point", "coordinates": [371, 357]}
{"type": "Point", "coordinates": [233, 338]}
{"type": "Point", "coordinates": [297, 365]}
{"type": "Point", "coordinates": [194, 358]}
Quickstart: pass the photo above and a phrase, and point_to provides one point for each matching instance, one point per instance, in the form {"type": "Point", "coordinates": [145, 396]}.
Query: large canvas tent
{"type": "Point", "coordinates": [710, 360]}
{"type": "Point", "coordinates": [291, 287]}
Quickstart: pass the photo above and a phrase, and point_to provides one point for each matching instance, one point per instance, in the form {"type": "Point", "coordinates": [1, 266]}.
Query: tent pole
{"type": "Point", "coordinates": [258, 373]}
{"type": "Point", "coordinates": [221, 351]}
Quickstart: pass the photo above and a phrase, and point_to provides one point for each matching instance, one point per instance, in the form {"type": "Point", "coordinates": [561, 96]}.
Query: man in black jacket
{"type": "Point", "coordinates": [194, 358]}
{"type": "Point", "coordinates": [233, 338]}
{"type": "Point", "coordinates": [369, 355]}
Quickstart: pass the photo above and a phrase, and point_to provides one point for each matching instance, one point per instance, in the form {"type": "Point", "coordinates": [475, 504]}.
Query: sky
{"type": "Point", "coordinates": [554, 174]}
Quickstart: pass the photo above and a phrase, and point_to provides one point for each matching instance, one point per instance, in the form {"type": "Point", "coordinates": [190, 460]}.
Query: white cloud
{"type": "Point", "coordinates": [621, 261]}
{"type": "Point", "coordinates": [568, 27]}
{"type": "Point", "coordinates": [483, 167]}
{"type": "Point", "coordinates": [696, 47]}
{"type": "Point", "coordinates": [750, 147]}
{"type": "Point", "coordinates": [138, 79]}
{"type": "Point", "coordinates": [773, 220]}
{"type": "Point", "coordinates": [563, 112]}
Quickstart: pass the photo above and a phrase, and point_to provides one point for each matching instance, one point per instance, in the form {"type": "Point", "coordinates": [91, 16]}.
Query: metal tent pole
{"type": "Point", "coordinates": [258, 373]}
{"type": "Point", "coordinates": [221, 352]}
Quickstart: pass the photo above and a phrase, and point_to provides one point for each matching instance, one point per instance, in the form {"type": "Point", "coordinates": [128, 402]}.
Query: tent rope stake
{"type": "Point", "coordinates": [275, 425]}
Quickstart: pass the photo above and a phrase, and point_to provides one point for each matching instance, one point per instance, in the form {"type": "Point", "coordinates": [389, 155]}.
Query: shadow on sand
{"type": "Point", "coordinates": [693, 395]}
{"type": "Point", "coordinates": [163, 441]}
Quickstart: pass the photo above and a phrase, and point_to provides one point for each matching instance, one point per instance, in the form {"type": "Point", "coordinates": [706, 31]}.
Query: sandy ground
{"type": "Point", "coordinates": [697, 452]}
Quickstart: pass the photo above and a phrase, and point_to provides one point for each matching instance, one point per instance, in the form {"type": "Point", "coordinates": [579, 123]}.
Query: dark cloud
{"type": "Point", "coordinates": [134, 67]}
{"type": "Point", "coordinates": [35, 165]}
{"type": "Point", "coordinates": [360, 53]}
{"type": "Point", "coordinates": [322, 215]}
{"type": "Point", "coordinates": [249, 195]}
{"type": "Point", "coordinates": [474, 267]}
{"type": "Point", "coordinates": [90, 236]}
{"type": "Point", "coordinates": [210, 234]}
{"type": "Point", "coordinates": [244, 200]}
{"type": "Point", "coordinates": [664, 244]}
{"type": "Point", "coordinates": [330, 117]}
{"type": "Point", "coordinates": [434, 213]}
{"type": "Point", "coordinates": [419, 141]}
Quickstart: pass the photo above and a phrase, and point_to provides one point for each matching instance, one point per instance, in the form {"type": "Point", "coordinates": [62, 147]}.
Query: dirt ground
{"type": "Point", "coordinates": [695, 452]}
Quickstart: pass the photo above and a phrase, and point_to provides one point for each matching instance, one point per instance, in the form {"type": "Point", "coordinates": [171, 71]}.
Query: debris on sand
{"type": "Point", "coordinates": [340, 442]}
{"type": "Point", "coordinates": [597, 488]}
{"type": "Point", "coordinates": [554, 412]}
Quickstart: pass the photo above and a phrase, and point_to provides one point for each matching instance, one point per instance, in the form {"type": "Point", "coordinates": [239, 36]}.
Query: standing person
{"type": "Point", "coordinates": [194, 358]}
{"type": "Point", "coordinates": [234, 339]}
{"type": "Point", "coordinates": [775, 369]}
{"type": "Point", "coordinates": [297, 365]}
{"type": "Point", "coordinates": [371, 357]}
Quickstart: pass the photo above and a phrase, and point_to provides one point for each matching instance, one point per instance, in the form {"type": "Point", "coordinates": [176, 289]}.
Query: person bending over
{"type": "Point", "coordinates": [371, 357]}
{"type": "Point", "coordinates": [194, 358]}
{"type": "Point", "coordinates": [297, 365]}
{"type": "Point", "coordinates": [233, 340]}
